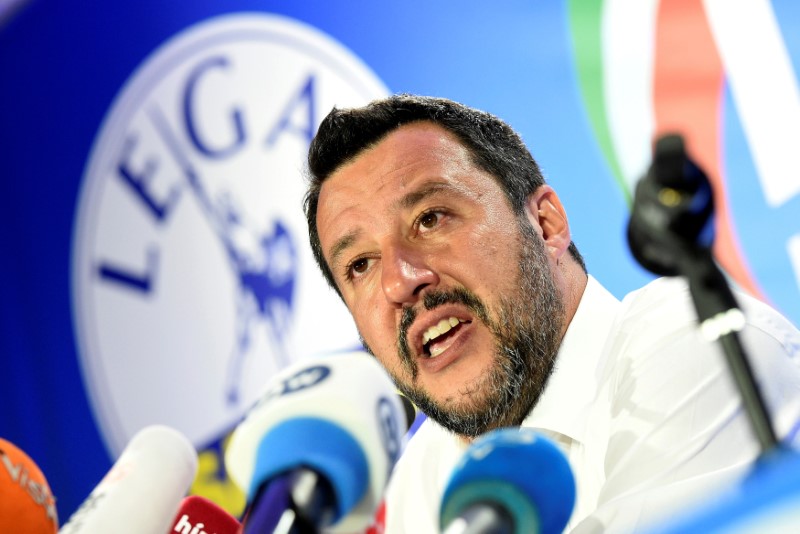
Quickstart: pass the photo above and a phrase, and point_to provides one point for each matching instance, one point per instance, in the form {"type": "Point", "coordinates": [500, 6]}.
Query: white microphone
{"type": "Point", "coordinates": [317, 449]}
{"type": "Point", "coordinates": [143, 489]}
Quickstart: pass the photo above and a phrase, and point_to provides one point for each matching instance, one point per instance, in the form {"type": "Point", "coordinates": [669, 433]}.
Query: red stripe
{"type": "Point", "coordinates": [688, 83]}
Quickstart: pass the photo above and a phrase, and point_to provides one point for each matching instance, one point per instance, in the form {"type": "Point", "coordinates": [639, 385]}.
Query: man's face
{"type": "Point", "coordinates": [449, 289]}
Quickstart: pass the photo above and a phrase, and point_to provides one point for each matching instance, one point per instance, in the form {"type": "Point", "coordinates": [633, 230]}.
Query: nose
{"type": "Point", "coordinates": [405, 273]}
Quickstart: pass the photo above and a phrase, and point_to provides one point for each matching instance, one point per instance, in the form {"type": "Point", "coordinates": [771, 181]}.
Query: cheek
{"type": "Point", "coordinates": [486, 253]}
{"type": "Point", "coordinates": [376, 326]}
{"type": "Point", "coordinates": [380, 333]}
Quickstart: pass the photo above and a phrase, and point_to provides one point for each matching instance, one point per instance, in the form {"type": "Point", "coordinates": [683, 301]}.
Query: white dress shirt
{"type": "Point", "coordinates": [643, 407]}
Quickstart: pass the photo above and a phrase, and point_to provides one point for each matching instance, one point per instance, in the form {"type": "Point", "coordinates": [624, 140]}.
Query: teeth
{"type": "Point", "coordinates": [437, 330]}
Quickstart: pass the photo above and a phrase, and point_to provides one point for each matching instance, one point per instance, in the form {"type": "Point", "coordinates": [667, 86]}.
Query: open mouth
{"type": "Point", "coordinates": [439, 337]}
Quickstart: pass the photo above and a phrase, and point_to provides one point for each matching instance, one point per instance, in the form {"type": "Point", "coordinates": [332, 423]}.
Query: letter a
{"type": "Point", "coordinates": [306, 129]}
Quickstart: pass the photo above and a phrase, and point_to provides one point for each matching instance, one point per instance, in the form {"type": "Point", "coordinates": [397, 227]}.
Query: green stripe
{"type": "Point", "coordinates": [585, 18]}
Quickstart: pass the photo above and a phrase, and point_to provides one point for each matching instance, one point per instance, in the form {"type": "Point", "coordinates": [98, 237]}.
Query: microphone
{"type": "Point", "coordinates": [198, 515]}
{"type": "Point", "coordinates": [27, 505]}
{"type": "Point", "coordinates": [509, 481]}
{"type": "Point", "coordinates": [766, 500]}
{"type": "Point", "coordinates": [670, 233]}
{"type": "Point", "coordinates": [672, 211]}
{"type": "Point", "coordinates": [317, 448]}
{"type": "Point", "coordinates": [144, 487]}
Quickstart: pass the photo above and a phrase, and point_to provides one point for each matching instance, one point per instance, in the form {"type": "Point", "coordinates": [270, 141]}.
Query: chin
{"type": "Point", "coordinates": [461, 393]}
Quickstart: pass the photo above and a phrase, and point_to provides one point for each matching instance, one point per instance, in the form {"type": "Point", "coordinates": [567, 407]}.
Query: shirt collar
{"type": "Point", "coordinates": [571, 388]}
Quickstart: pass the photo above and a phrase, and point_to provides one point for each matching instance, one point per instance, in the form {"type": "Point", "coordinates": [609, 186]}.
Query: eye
{"type": "Point", "coordinates": [357, 268]}
{"type": "Point", "coordinates": [429, 219]}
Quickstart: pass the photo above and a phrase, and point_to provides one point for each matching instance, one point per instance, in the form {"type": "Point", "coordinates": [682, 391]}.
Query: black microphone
{"type": "Point", "coordinates": [672, 210]}
{"type": "Point", "coordinates": [670, 233]}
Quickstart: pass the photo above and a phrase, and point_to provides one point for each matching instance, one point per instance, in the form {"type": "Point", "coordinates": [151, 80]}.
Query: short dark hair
{"type": "Point", "coordinates": [493, 146]}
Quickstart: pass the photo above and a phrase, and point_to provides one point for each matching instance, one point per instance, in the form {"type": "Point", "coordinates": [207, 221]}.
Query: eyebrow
{"type": "Point", "coordinates": [341, 245]}
{"type": "Point", "coordinates": [407, 201]}
{"type": "Point", "coordinates": [413, 198]}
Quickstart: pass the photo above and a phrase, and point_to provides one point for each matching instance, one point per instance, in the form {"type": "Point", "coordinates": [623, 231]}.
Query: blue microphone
{"type": "Point", "coordinates": [509, 481]}
{"type": "Point", "coordinates": [766, 500]}
{"type": "Point", "coordinates": [316, 451]}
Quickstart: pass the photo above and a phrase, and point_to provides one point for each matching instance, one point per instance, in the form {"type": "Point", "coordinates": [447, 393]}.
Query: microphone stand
{"type": "Point", "coordinates": [670, 233]}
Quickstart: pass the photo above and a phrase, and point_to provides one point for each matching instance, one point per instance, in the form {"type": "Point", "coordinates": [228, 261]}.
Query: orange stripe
{"type": "Point", "coordinates": [688, 86]}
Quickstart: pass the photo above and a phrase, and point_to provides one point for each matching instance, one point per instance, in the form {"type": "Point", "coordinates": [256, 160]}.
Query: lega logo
{"type": "Point", "coordinates": [192, 279]}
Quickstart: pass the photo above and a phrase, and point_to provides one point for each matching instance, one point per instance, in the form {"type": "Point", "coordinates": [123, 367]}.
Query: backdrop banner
{"type": "Point", "coordinates": [156, 266]}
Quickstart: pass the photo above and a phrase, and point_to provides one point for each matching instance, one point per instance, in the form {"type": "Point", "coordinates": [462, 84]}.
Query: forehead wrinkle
{"type": "Point", "coordinates": [406, 168]}
{"type": "Point", "coordinates": [411, 199]}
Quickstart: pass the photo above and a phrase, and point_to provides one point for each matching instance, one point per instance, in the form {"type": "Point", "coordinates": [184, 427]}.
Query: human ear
{"type": "Point", "coordinates": [549, 219]}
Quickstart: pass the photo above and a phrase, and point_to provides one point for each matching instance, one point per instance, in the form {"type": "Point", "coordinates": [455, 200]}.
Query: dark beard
{"type": "Point", "coordinates": [527, 333]}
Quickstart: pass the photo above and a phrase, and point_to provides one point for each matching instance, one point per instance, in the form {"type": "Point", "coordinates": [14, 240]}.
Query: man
{"type": "Point", "coordinates": [434, 224]}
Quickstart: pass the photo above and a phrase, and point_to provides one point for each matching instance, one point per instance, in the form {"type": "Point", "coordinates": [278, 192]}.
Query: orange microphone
{"type": "Point", "coordinates": [26, 504]}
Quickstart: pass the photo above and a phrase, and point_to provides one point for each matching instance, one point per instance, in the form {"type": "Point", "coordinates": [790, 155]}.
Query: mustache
{"type": "Point", "coordinates": [431, 301]}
